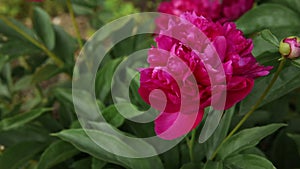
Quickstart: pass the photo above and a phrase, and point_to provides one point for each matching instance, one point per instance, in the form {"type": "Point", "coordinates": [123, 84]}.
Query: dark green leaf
{"type": "Point", "coordinates": [247, 161]}
{"type": "Point", "coordinates": [43, 27]}
{"type": "Point", "coordinates": [82, 164]}
{"type": "Point", "coordinates": [269, 37]}
{"type": "Point", "coordinates": [171, 158]}
{"type": "Point", "coordinates": [21, 119]}
{"type": "Point", "coordinates": [56, 153]}
{"type": "Point", "coordinates": [212, 143]}
{"type": "Point", "coordinates": [104, 79]}
{"type": "Point", "coordinates": [27, 133]}
{"type": "Point", "coordinates": [10, 32]}
{"type": "Point", "coordinates": [18, 155]}
{"type": "Point", "coordinates": [246, 139]}
{"type": "Point", "coordinates": [296, 138]}
{"type": "Point", "coordinates": [45, 73]}
{"type": "Point", "coordinates": [267, 16]}
{"type": "Point", "coordinates": [292, 4]}
{"type": "Point", "coordinates": [98, 164]}
{"type": "Point", "coordinates": [10, 46]}
{"type": "Point", "coordinates": [80, 140]}
{"type": "Point", "coordinates": [65, 46]}
{"type": "Point", "coordinates": [190, 166]}
{"type": "Point", "coordinates": [213, 165]}
{"type": "Point", "coordinates": [287, 81]}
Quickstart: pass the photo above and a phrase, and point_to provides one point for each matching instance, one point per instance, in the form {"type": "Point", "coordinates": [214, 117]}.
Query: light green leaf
{"type": "Point", "coordinates": [80, 140]}
{"type": "Point", "coordinates": [269, 37]}
{"type": "Point", "coordinates": [18, 155]}
{"type": "Point", "coordinates": [296, 62]}
{"type": "Point", "coordinates": [267, 16]}
{"type": "Point", "coordinates": [246, 139]}
{"type": "Point", "coordinates": [112, 116]}
{"type": "Point", "coordinates": [56, 153]}
{"type": "Point", "coordinates": [248, 161]}
{"type": "Point", "coordinates": [23, 83]}
{"type": "Point", "coordinates": [43, 27]}
{"type": "Point", "coordinates": [21, 119]}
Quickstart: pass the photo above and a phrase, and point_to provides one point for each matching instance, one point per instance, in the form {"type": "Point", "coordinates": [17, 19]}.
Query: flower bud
{"type": "Point", "coordinates": [290, 47]}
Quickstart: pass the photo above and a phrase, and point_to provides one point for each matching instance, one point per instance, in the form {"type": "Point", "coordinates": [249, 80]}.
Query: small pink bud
{"type": "Point", "coordinates": [290, 47]}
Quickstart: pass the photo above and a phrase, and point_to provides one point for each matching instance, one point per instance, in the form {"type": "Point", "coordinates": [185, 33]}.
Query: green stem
{"type": "Point", "coordinates": [56, 59]}
{"type": "Point", "coordinates": [253, 108]}
{"type": "Point", "coordinates": [190, 144]}
{"type": "Point", "coordinates": [75, 24]}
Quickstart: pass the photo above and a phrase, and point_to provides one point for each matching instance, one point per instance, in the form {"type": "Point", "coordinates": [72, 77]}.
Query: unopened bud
{"type": "Point", "coordinates": [290, 47]}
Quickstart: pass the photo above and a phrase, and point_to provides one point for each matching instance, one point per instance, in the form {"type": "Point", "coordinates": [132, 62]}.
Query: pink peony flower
{"type": "Point", "coordinates": [227, 10]}
{"type": "Point", "coordinates": [191, 80]}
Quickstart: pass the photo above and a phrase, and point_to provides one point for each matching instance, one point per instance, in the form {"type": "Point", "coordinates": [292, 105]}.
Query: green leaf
{"type": "Point", "coordinates": [269, 37]}
{"type": "Point", "coordinates": [296, 138]}
{"type": "Point", "coordinates": [247, 161]}
{"type": "Point", "coordinates": [213, 165]}
{"type": "Point", "coordinates": [45, 73]}
{"type": "Point", "coordinates": [24, 48]}
{"type": "Point", "coordinates": [292, 4]}
{"type": "Point", "coordinates": [10, 32]}
{"type": "Point", "coordinates": [21, 119]}
{"type": "Point", "coordinates": [65, 46]}
{"type": "Point", "coordinates": [56, 153]}
{"type": "Point", "coordinates": [83, 142]}
{"type": "Point", "coordinates": [97, 163]}
{"type": "Point", "coordinates": [23, 83]}
{"type": "Point", "coordinates": [18, 155]}
{"type": "Point", "coordinates": [212, 143]}
{"type": "Point", "coordinates": [246, 139]}
{"type": "Point", "coordinates": [43, 27]}
{"type": "Point", "coordinates": [112, 116]}
{"type": "Point", "coordinates": [27, 133]}
{"type": "Point", "coordinates": [287, 81]}
{"type": "Point", "coordinates": [264, 17]}
{"type": "Point", "coordinates": [296, 62]}
{"type": "Point", "coordinates": [190, 166]}
{"type": "Point", "coordinates": [82, 164]}
{"type": "Point", "coordinates": [171, 158]}
{"type": "Point", "coordinates": [104, 79]}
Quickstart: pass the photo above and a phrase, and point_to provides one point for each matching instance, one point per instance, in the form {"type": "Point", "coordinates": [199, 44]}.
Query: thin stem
{"type": "Point", "coordinates": [75, 24]}
{"type": "Point", "coordinates": [190, 143]}
{"type": "Point", "coordinates": [253, 108]}
{"type": "Point", "coordinates": [55, 58]}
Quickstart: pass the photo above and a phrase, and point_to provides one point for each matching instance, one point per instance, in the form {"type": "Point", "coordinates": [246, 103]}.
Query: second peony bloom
{"type": "Point", "coordinates": [197, 63]}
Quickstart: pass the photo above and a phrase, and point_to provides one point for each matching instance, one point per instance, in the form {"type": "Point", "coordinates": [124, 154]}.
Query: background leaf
{"type": "Point", "coordinates": [43, 27]}
{"type": "Point", "coordinates": [57, 152]}
{"type": "Point", "coordinates": [245, 139]}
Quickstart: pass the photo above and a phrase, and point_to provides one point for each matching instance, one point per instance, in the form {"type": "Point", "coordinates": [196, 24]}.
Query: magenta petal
{"type": "Point", "coordinates": [170, 126]}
